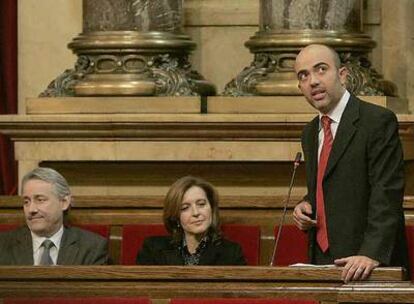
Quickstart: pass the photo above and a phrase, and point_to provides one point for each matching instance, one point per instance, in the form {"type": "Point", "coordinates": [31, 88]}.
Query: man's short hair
{"type": "Point", "coordinates": [49, 175]}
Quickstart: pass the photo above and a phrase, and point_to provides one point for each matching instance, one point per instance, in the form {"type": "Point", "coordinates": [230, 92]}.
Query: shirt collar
{"type": "Point", "coordinates": [336, 113]}
{"type": "Point", "coordinates": [38, 240]}
{"type": "Point", "coordinates": [200, 246]}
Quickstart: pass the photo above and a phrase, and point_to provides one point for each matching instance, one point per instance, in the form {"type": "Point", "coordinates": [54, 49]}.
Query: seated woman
{"type": "Point", "coordinates": [191, 216]}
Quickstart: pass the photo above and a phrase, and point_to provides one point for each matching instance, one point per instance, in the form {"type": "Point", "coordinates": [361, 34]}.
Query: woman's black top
{"type": "Point", "coordinates": [161, 250]}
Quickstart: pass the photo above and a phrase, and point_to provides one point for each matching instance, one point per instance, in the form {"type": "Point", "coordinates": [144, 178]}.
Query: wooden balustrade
{"type": "Point", "coordinates": [311, 283]}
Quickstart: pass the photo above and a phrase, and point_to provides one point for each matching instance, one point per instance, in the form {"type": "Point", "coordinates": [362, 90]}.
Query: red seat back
{"type": "Point", "coordinates": [248, 236]}
{"type": "Point", "coordinates": [409, 231]}
{"type": "Point", "coordinates": [133, 237]}
{"type": "Point", "coordinates": [240, 301]}
{"type": "Point", "coordinates": [91, 300]}
{"type": "Point", "coordinates": [292, 247]}
{"type": "Point", "coordinates": [7, 227]}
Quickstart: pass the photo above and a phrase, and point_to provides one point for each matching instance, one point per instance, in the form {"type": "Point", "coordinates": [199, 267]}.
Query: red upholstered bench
{"type": "Point", "coordinates": [133, 237]}
{"type": "Point", "coordinates": [240, 301]}
{"type": "Point", "coordinates": [292, 247]}
{"type": "Point", "coordinates": [7, 227]}
{"type": "Point", "coordinates": [409, 230]}
{"type": "Point", "coordinates": [248, 236]}
{"type": "Point", "coordinates": [91, 300]}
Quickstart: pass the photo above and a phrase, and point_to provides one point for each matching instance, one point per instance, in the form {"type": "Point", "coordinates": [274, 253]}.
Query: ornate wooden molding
{"type": "Point", "coordinates": [194, 127]}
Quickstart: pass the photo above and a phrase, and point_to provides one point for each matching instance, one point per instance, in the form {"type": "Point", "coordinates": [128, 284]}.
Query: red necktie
{"type": "Point", "coordinates": [322, 232]}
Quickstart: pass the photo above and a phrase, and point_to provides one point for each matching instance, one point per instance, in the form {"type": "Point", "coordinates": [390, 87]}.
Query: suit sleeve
{"type": "Point", "coordinates": [100, 254]}
{"type": "Point", "coordinates": [305, 139]}
{"type": "Point", "coordinates": [146, 254]}
{"type": "Point", "coordinates": [304, 144]}
{"type": "Point", "coordinates": [386, 178]}
{"type": "Point", "coordinates": [238, 256]}
{"type": "Point", "coordinates": [3, 250]}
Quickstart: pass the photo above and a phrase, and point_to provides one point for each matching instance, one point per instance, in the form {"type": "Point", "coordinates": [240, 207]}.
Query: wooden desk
{"type": "Point", "coordinates": [161, 283]}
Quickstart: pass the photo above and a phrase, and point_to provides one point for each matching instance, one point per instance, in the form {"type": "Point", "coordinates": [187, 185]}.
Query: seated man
{"type": "Point", "coordinates": [45, 240]}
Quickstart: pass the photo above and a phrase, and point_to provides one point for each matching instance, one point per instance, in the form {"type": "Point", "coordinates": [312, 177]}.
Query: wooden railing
{"type": "Point", "coordinates": [311, 283]}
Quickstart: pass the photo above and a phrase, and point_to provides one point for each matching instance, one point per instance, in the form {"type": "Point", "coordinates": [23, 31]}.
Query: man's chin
{"type": "Point", "coordinates": [321, 105]}
{"type": "Point", "coordinates": [39, 230]}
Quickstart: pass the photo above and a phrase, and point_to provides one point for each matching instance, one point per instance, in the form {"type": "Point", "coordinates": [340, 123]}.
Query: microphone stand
{"type": "Point", "coordinates": [296, 164]}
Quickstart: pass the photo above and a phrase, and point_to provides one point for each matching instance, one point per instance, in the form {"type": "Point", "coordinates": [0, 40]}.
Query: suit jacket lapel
{"type": "Point", "coordinates": [23, 247]}
{"type": "Point", "coordinates": [313, 151]}
{"type": "Point", "coordinates": [344, 133]}
{"type": "Point", "coordinates": [69, 248]}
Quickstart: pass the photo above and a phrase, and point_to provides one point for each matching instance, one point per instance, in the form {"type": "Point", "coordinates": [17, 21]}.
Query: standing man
{"type": "Point", "coordinates": [354, 167]}
{"type": "Point", "coordinates": [45, 240]}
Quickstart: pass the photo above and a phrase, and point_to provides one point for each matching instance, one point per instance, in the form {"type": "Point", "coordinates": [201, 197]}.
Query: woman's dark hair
{"type": "Point", "coordinates": [172, 207]}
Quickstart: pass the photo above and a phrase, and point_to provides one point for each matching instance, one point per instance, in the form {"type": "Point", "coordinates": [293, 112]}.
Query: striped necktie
{"type": "Point", "coordinates": [46, 258]}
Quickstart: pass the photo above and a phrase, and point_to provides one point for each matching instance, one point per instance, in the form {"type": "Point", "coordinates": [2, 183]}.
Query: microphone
{"type": "Point", "coordinates": [296, 164]}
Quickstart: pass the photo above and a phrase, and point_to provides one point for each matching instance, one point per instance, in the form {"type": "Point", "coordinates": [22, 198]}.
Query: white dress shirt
{"type": "Point", "coordinates": [38, 248]}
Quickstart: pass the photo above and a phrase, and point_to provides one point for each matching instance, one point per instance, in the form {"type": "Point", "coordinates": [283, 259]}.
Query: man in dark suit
{"type": "Point", "coordinates": [354, 166]}
{"type": "Point", "coordinates": [45, 240]}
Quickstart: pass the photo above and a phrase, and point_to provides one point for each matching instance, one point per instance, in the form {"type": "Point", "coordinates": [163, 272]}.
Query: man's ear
{"type": "Point", "coordinates": [66, 201]}
{"type": "Point", "coordinates": [343, 73]}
